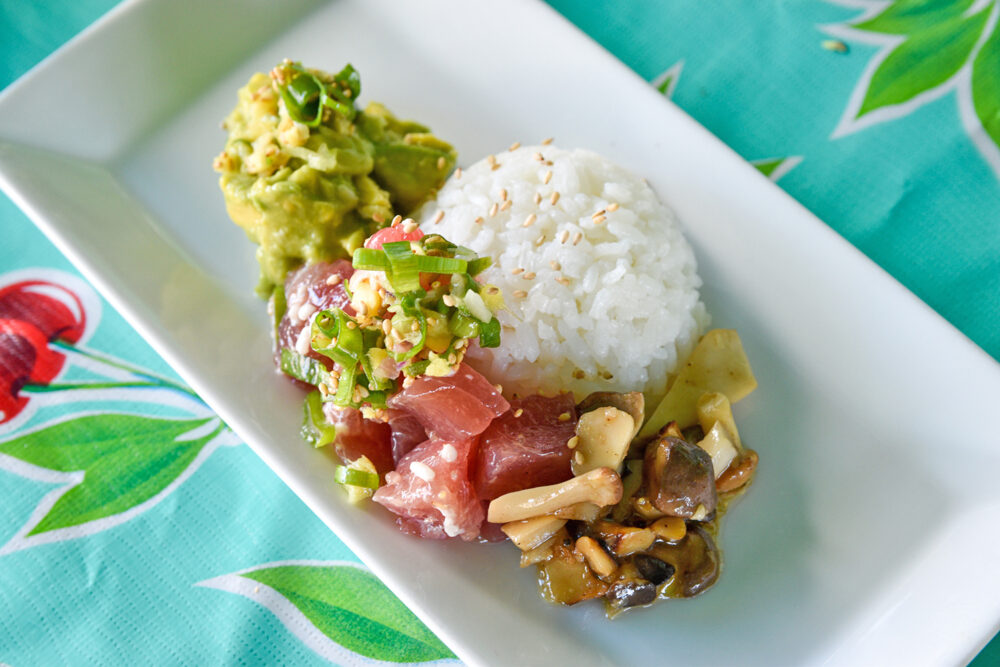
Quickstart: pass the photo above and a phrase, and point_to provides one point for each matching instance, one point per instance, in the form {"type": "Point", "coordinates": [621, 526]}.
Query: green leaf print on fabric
{"type": "Point", "coordinates": [347, 610]}
{"type": "Point", "coordinates": [925, 60]}
{"type": "Point", "coordinates": [112, 466]}
{"type": "Point", "coordinates": [928, 48]}
{"type": "Point", "coordinates": [906, 16]}
{"type": "Point", "coordinates": [775, 168]}
{"type": "Point", "coordinates": [986, 86]}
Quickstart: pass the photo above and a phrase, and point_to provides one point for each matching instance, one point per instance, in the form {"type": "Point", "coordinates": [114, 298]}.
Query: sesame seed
{"type": "Point", "coordinates": [333, 280]}
{"type": "Point", "coordinates": [547, 177]}
{"type": "Point", "coordinates": [506, 205]}
{"type": "Point", "coordinates": [599, 213]}
{"type": "Point", "coordinates": [599, 220]}
{"type": "Point", "coordinates": [415, 327]}
{"type": "Point", "coordinates": [516, 271]}
{"type": "Point", "coordinates": [492, 290]}
{"type": "Point", "coordinates": [514, 146]}
{"type": "Point", "coordinates": [432, 321]}
{"type": "Point", "coordinates": [499, 388]}
{"type": "Point", "coordinates": [529, 221]}
{"type": "Point", "coordinates": [539, 157]}
{"type": "Point", "coordinates": [323, 389]}
{"type": "Point", "coordinates": [555, 265]}
{"type": "Point", "coordinates": [563, 280]}
{"type": "Point", "coordinates": [518, 412]}
{"type": "Point", "coordinates": [573, 442]}
{"type": "Point", "coordinates": [452, 359]}
{"type": "Point", "coordinates": [494, 166]}
{"type": "Point", "coordinates": [409, 225]}
{"type": "Point", "coordinates": [458, 173]}
{"type": "Point", "coordinates": [352, 325]}
{"type": "Point", "coordinates": [564, 416]}
{"type": "Point", "coordinates": [362, 391]}
{"type": "Point", "coordinates": [546, 142]}
{"type": "Point", "coordinates": [563, 236]}
{"type": "Point", "coordinates": [548, 163]}
{"type": "Point", "coordinates": [478, 220]}
{"type": "Point", "coordinates": [578, 457]}
{"type": "Point", "coordinates": [503, 194]}
{"type": "Point", "coordinates": [439, 217]}
{"type": "Point", "coordinates": [530, 275]}
{"type": "Point", "coordinates": [538, 198]}
{"type": "Point", "coordinates": [395, 221]}
{"type": "Point", "coordinates": [449, 300]}
{"type": "Point", "coordinates": [460, 343]}
{"type": "Point", "coordinates": [520, 294]}
{"type": "Point", "coordinates": [449, 453]}
{"type": "Point", "coordinates": [554, 198]}
{"type": "Point", "coordinates": [577, 237]}
{"type": "Point", "coordinates": [540, 240]}
{"type": "Point", "coordinates": [422, 470]}
{"type": "Point", "coordinates": [612, 207]}
{"type": "Point", "coordinates": [492, 159]}
{"type": "Point", "coordinates": [386, 326]}
{"type": "Point", "coordinates": [441, 162]}
{"type": "Point", "coordinates": [493, 209]}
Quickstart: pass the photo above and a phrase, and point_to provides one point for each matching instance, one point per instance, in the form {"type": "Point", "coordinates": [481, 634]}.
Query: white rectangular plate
{"type": "Point", "coordinates": [870, 534]}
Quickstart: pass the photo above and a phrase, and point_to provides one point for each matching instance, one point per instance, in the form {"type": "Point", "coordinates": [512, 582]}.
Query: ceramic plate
{"type": "Point", "coordinates": [869, 536]}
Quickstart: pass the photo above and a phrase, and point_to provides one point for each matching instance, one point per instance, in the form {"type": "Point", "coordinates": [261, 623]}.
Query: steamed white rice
{"type": "Point", "coordinates": [593, 305]}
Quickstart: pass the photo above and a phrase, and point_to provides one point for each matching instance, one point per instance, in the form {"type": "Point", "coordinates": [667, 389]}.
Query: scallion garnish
{"type": "Point", "coordinates": [489, 333]}
{"type": "Point", "coordinates": [315, 429]}
{"type": "Point", "coordinates": [355, 477]}
{"type": "Point", "coordinates": [305, 96]}
{"type": "Point", "coordinates": [302, 368]}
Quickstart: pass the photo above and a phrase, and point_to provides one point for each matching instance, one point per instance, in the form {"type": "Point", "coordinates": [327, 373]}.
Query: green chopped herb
{"type": "Point", "coordinates": [315, 429]}
{"type": "Point", "coordinates": [355, 477]}
{"type": "Point", "coordinates": [302, 368]}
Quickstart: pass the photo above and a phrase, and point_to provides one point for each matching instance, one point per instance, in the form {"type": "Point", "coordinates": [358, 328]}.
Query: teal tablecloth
{"type": "Point", "coordinates": [882, 118]}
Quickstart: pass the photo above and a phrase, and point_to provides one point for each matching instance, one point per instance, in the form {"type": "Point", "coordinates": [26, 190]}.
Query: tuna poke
{"type": "Point", "coordinates": [513, 352]}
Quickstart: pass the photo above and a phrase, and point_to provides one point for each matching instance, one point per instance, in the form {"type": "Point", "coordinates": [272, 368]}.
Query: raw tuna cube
{"type": "Point", "coordinates": [452, 408]}
{"type": "Point", "coordinates": [407, 433]}
{"type": "Point", "coordinates": [357, 437]}
{"type": "Point", "coordinates": [526, 447]}
{"type": "Point", "coordinates": [307, 291]}
{"type": "Point", "coordinates": [431, 492]}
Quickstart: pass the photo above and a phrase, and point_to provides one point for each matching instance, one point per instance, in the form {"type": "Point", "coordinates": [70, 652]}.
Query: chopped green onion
{"type": "Point", "coordinates": [345, 346]}
{"type": "Point", "coordinates": [417, 368]}
{"type": "Point", "coordinates": [370, 259]}
{"type": "Point", "coordinates": [411, 308]}
{"type": "Point", "coordinates": [302, 368]}
{"type": "Point", "coordinates": [315, 429]}
{"type": "Point", "coordinates": [463, 325]}
{"type": "Point", "coordinates": [404, 274]}
{"type": "Point", "coordinates": [479, 265]}
{"type": "Point", "coordinates": [489, 333]}
{"type": "Point", "coordinates": [278, 307]}
{"type": "Point", "coordinates": [305, 96]}
{"type": "Point", "coordinates": [355, 477]}
{"type": "Point", "coordinates": [434, 264]}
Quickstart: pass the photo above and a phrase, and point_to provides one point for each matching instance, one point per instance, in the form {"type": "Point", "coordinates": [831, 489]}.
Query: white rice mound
{"type": "Point", "coordinates": [592, 305]}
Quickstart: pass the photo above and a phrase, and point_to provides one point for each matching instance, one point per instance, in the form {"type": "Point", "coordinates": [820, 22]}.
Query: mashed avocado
{"type": "Point", "coordinates": [309, 176]}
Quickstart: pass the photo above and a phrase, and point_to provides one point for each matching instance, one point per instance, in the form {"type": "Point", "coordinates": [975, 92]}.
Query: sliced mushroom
{"type": "Point", "coordinates": [545, 550]}
{"type": "Point", "coordinates": [696, 560]}
{"type": "Point", "coordinates": [601, 487]}
{"type": "Point", "coordinates": [632, 402]}
{"type": "Point", "coordinates": [565, 578]}
{"type": "Point", "coordinates": [631, 594]}
{"type": "Point", "coordinates": [652, 569]}
{"type": "Point", "coordinates": [585, 512]}
{"type": "Point", "coordinates": [605, 434]}
{"type": "Point", "coordinates": [530, 533]}
{"type": "Point", "coordinates": [714, 408]}
{"type": "Point", "coordinates": [718, 445]}
{"type": "Point", "coordinates": [623, 540]}
{"type": "Point", "coordinates": [739, 474]}
{"type": "Point", "coordinates": [679, 480]}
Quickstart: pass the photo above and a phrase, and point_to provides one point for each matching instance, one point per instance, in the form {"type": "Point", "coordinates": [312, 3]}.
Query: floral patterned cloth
{"type": "Point", "coordinates": [131, 525]}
